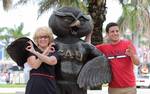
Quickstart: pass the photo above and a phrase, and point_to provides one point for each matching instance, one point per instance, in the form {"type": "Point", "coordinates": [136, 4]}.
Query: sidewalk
{"type": "Point", "coordinates": [22, 90]}
{"type": "Point", "coordinates": [103, 91]}
{"type": "Point", "coordinates": [12, 90]}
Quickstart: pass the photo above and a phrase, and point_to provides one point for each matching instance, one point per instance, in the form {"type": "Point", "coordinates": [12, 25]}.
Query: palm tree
{"type": "Point", "coordinates": [7, 35]}
{"type": "Point", "coordinates": [7, 4]}
{"type": "Point", "coordinates": [96, 8]}
{"type": "Point", "coordinates": [136, 17]}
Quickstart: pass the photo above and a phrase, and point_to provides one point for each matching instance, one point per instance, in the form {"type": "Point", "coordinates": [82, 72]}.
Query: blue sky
{"type": "Point", "coordinates": [28, 15]}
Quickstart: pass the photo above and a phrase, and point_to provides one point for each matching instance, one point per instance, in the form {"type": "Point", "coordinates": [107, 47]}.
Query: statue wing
{"type": "Point", "coordinates": [94, 72]}
{"type": "Point", "coordinates": [16, 50]}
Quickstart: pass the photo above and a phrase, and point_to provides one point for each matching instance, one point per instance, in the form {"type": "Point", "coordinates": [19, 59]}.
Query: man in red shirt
{"type": "Point", "coordinates": [122, 57]}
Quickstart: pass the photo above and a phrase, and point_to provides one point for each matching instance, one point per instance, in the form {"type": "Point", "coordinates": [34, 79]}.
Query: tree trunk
{"type": "Point", "coordinates": [97, 10]}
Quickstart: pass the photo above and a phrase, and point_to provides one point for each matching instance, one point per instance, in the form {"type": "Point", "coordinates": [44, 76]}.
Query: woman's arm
{"type": "Point", "coordinates": [33, 62]}
{"type": "Point", "coordinates": [36, 62]}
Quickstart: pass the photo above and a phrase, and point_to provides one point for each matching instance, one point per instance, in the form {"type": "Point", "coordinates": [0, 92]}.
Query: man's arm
{"type": "Point", "coordinates": [132, 55]}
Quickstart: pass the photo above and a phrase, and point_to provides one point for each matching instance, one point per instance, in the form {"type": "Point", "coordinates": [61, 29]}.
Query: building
{"type": "Point", "coordinates": [1, 52]}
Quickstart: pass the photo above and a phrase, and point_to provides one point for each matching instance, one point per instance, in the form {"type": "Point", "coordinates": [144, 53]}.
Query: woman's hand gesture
{"type": "Point", "coordinates": [30, 48]}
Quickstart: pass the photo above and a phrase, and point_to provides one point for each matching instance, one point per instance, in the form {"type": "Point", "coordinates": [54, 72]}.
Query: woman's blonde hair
{"type": "Point", "coordinates": [43, 30]}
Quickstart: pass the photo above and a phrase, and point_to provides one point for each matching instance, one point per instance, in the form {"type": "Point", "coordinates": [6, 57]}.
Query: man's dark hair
{"type": "Point", "coordinates": [110, 25]}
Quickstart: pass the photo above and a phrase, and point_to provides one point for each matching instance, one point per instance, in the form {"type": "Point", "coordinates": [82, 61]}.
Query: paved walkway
{"type": "Point", "coordinates": [103, 91]}
{"type": "Point", "coordinates": [22, 90]}
{"type": "Point", "coordinates": [12, 90]}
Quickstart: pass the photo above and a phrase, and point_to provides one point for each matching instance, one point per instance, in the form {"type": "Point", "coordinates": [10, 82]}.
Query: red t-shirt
{"type": "Point", "coordinates": [121, 64]}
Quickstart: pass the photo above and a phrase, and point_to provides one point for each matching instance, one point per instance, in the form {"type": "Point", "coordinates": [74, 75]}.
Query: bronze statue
{"type": "Point", "coordinates": [81, 65]}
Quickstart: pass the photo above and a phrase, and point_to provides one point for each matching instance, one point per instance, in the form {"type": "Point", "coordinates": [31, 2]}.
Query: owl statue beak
{"type": "Point", "coordinates": [75, 23]}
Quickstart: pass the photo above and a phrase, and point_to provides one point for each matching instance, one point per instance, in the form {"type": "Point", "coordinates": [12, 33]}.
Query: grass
{"type": "Point", "coordinates": [12, 85]}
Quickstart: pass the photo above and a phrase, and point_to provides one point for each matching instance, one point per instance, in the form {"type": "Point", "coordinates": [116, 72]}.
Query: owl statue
{"type": "Point", "coordinates": [81, 65]}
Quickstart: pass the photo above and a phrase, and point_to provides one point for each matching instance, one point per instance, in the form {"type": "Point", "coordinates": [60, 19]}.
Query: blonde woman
{"type": "Point", "coordinates": [42, 75]}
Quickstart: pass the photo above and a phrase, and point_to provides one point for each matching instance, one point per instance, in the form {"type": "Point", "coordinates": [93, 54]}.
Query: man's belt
{"type": "Point", "coordinates": [119, 56]}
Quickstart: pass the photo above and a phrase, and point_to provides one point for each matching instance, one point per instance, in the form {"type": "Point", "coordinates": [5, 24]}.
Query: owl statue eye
{"type": "Point", "coordinates": [68, 19]}
{"type": "Point", "coordinates": [82, 20]}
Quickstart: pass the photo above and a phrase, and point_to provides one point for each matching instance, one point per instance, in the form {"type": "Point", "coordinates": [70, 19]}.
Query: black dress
{"type": "Point", "coordinates": [42, 80]}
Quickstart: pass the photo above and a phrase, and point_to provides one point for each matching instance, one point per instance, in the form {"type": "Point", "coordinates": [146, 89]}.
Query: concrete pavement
{"type": "Point", "coordinates": [12, 90]}
{"type": "Point", "coordinates": [103, 91]}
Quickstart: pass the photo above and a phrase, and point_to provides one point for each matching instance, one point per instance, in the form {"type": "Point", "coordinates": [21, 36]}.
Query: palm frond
{"type": "Point", "coordinates": [21, 2]}
{"type": "Point", "coordinates": [45, 5]}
